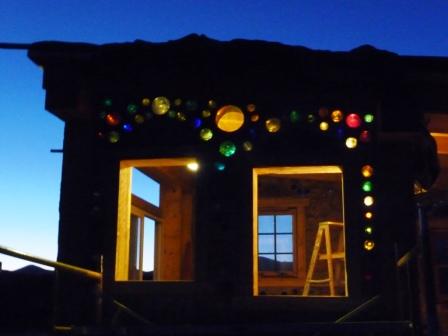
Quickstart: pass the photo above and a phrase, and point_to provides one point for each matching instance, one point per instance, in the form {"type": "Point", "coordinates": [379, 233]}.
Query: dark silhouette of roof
{"type": "Point", "coordinates": [270, 72]}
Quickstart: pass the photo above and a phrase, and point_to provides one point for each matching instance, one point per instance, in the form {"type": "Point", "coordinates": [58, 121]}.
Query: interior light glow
{"type": "Point", "coordinates": [367, 186]}
{"type": "Point", "coordinates": [227, 148]}
{"type": "Point", "coordinates": [113, 119]}
{"type": "Point", "coordinates": [368, 230]}
{"type": "Point", "coordinates": [369, 245]}
{"type": "Point", "coordinates": [353, 120]}
{"type": "Point", "coordinates": [206, 134]}
{"type": "Point", "coordinates": [324, 126]}
{"type": "Point", "coordinates": [368, 118]}
{"type": "Point", "coordinates": [229, 118]}
{"type": "Point", "coordinates": [273, 125]}
{"type": "Point", "coordinates": [368, 201]}
{"type": "Point", "coordinates": [351, 142]}
{"type": "Point", "coordinates": [193, 166]}
{"type": "Point", "coordinates": [160, 105]}
{"type": "Point", "coordinates": [368, 215]}
{"type": "Point", "coordinates": [367, 171]}
{"type": "Point", "coordinates": [337, 116]}
{"type": "Point", "coordinates": [146, 101]}
{"type": "Point", "coordinates": [310, 118]}
{"type": "Point", "coordinates": [206, 113]}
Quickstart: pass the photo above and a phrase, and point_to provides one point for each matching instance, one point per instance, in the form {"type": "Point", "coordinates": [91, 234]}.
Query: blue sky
{"type": "Point", "coordinates": [30, 174]}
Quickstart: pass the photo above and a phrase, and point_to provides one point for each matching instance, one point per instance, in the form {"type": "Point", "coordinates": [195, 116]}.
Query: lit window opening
{"type": "Point", "coordinates": [155, 220]}
{"type": "Point", "coordinates": [298, 230]}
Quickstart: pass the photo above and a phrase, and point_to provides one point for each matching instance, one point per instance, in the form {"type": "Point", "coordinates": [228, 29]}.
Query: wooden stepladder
{"type": "Point", "coordinates": [334, 273]}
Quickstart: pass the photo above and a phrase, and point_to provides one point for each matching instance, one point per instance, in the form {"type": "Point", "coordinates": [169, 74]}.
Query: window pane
{"type": "Point", "coordinates": [284, 223]}
{"type": "Point", "coordinates": [149, 244]}
{"type": "Point", "coordinates": [145, 187]}
{"type": "Point", "coordinates": [284, 262]}
{"type": "Point", "coordinates": [266, 262]}
{"type": "Point", "coordinates": [284, 243]}
{"type": "Point", "coordinates": [265, 224]}
{"type": "Point", "coordinates": [266, 244]}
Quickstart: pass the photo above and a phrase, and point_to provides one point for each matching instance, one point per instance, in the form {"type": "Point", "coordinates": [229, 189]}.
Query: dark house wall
{"type": "Point", "coordinates": [277, 79]}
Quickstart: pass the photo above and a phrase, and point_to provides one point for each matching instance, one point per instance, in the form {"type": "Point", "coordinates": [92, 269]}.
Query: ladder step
{"type": "Point", "coordinates": [319, 280]}
{"type": "Point", "coordinates": [337, 255]}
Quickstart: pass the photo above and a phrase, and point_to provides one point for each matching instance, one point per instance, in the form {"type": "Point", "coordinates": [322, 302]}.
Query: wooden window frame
{"type": "Point", "coordinates": [297, 209]}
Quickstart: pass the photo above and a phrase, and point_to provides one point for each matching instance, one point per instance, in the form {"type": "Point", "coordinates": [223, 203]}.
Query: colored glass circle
{"type": "Point", "coordinates": [273, 125]}
{"type": "Point", "coordinates": [220, 166]}
{"type": "Point", "coordinates": [229, 118]}
{"type": "Point", "coordinates": [323, 112]}
{"type": "Point", "coordinates": [367, 186]}
{"type": "Point", "coordinates": [139, 119]}
{"type": "Point", "coordinates": [177, 102]}
{"type": "Point", "coordinates": [212, 104]}
{"type": "Point", "coordinates": [337, 116]}
{"type": "Point", "coordinates": [132, 108]}
{"type": "Point", "coordinates": [127, 127]}
{"type": "Point", "coordinates": [146, 101]}
{"type": "Point", "coordinates": [107, 102]}
{"type": "Point", "coordinates": [364, 136]}
{"type": "Point", "coordinates": [206, 113]}
{"type": "Point", "coordinates": [353, 120]}
{"type": "Point", "coordinates": [160, 105]}
{"type": "Point", "coordinates": [310, 118]}
{"type": "Point", "coordinates": [324, 126]}
{"type": "Point", "coordinates": [206, 134]}
{"type": "Point", "coordinates": [351, 142]}
{"type": "Point", "coordinates": [368, 118]}
{"type": "Point", "coordinates": [294, 116]}
{"type": "Point", "coordinates": [368, 201]}
{"type": "Point", "coordinates": [368, 230]}
{"type": "Point", "coordinates": [227, 148]}
{"type": "Point", "coordinates": [114, 137]}
{"type": "Point", "coordinates": [255, 117]}
{"type": "Point", "coordinates": [369, 245]}
{"type": "Point", "coordinates": [251, 108]}
{"type": "Point", "coordinates": [367, 171]}
{"type": "Point", "coordinates": [247, 146]}
{"type": "Point", "coordinates": [113, 119]}
{"type": "Point", "coordinates": [197, 122]}
{"type": "Point", "coordinates": [191, 105]}
{"type": "Point", "coordinates": [181, 116]}
{"type": "Point", "coordinates": [368, 215]}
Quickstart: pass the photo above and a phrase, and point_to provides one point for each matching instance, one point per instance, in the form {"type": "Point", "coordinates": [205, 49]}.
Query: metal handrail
{"type": "Point", "coordinates": [56, 264]}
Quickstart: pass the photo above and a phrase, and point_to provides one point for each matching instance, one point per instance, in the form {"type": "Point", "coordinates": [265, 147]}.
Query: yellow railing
{"type": "Point", "coordinates": [56, 264]}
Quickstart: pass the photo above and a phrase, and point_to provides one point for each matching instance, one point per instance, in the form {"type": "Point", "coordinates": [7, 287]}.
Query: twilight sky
{"type": "Point", "coordinates": [30, 174]}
